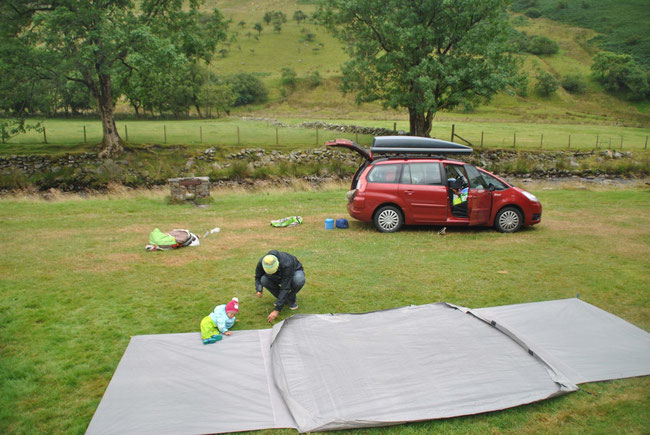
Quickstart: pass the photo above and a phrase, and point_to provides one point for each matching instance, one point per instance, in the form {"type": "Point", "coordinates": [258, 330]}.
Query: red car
{"type": "Point", "coordinates": [406, 180]}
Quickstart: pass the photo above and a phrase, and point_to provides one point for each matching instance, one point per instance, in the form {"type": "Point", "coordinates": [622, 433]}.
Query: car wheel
{"type": "Point", "coordinates": [388, 219]}
{"type": "Point", "coordinates": [508, 220]}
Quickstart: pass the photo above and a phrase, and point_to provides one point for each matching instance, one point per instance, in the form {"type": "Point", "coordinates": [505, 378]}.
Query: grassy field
{"type": "Point", "coordinates": [232, 133]}
{"type": "Point", "coordinates": [76, 284]}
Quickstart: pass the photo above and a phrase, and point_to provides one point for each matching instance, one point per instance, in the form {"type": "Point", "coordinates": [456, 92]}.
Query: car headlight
{"type": "Point", "coordinates": [530, 196]}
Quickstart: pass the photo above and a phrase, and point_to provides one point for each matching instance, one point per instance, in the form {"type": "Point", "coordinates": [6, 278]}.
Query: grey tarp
{"type": "Point", "coordinates": [173, 384]}
{"type": "Point", "coordinates": [356, 370]}
{"type": "Point", "coordinates": [584, 342]}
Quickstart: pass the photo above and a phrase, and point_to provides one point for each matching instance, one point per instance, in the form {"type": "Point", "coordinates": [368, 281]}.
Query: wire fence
{"type": "Point", "coordinates": [265, 134]}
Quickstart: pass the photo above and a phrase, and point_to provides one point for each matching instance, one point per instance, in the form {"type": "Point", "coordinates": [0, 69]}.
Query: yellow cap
{"type": "Point", "coordinates": [270, 264]}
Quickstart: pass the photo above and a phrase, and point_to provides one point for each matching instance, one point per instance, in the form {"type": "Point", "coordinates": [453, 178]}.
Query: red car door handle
{"type": "Point", "coordinates": [408, 192]}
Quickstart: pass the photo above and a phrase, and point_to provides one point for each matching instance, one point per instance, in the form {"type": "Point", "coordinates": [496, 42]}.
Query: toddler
{"type": "Point", "coordinates": [219, 321]}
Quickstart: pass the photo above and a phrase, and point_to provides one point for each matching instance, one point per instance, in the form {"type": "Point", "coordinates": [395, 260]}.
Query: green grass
{"type": "Point", "coordinates": [76, 284]}
{"type": "Point", "coordinates": [67, 135]}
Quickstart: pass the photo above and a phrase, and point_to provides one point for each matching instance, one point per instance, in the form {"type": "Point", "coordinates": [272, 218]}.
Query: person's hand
{"type": "Point", "coordinates": [227, 333]}
{"type": "Point", "coordinates": [273, 316]}
{"type": "Point", "coordinates": [259, 294]}
{"type": "Point", "coordinates": [236, 320]}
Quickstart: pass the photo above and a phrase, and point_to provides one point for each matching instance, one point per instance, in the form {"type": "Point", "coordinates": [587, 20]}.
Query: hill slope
{"type": "Point", "coordinates": [265, 53]}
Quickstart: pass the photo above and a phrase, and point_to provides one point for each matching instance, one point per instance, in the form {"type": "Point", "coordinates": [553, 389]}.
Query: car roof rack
{"type": "Point", "coordinates": [413, 146]}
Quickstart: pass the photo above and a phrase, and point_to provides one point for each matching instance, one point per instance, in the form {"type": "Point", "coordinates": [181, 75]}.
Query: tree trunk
{"type": "Point", "coordinates": [198, 110]}
{"type": "Point", "coordinates": [420, 123]}
{"type": "Point", "coordinates": [111, 141]}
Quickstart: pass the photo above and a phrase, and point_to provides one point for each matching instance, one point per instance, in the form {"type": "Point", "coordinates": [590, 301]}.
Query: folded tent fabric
{"type": "Point", "coordinates": [342, 371]}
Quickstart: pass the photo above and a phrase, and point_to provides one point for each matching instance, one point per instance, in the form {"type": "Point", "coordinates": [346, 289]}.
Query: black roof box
{"type": "Point", "coordinates": [416, 145]}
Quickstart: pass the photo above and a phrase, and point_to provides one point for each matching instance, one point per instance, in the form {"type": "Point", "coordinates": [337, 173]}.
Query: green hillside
{"type": "Point", "coordinates": [622, 26]}
{"type": "Point", "coordinates": [265, 53]}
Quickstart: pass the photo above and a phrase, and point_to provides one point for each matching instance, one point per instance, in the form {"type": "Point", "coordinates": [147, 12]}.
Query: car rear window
{"type": "Point", "coordinates": [422, 174]}
{"type": "Point", "coordinates": [384, 174]}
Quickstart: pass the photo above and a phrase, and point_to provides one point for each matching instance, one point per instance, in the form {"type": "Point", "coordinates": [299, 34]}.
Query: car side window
{"type": "Point", "coordinates": [384, 174]}
{"type": "Point", "coordinates": [490, 180]}
{"type": "Point", "coordinates": [427, 174]}
{"type": "Point", "coordinates": [475, 179]}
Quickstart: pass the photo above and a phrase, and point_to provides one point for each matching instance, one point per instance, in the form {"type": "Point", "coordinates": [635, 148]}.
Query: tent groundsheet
{"type": "Point", "coordinates": [338, 371]}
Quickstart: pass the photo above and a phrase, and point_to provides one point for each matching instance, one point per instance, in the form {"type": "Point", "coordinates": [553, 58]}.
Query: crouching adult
{"type": "Point", "coordinates": [282, 275]}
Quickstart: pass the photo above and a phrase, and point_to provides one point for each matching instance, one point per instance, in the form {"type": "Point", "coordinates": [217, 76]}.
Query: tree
{"type": "Point", "coordinates": [299, 16]}
{"type": "Point", "coordinates": [258, 27]}
{"type": "Point", "coordinates": [93, 43]}
{"type": "Point", "coordinates": [546, 84]}
{"type": "Point", "coordinates": [620, 73]}
{"type": "Point", "coordinates": [425, 56]}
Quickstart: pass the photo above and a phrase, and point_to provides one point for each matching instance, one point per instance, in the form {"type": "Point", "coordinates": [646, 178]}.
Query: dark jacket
{"type": "Point", "coordinates": [282, 277]}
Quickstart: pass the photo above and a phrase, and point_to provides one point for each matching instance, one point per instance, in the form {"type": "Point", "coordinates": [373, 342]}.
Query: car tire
{"type": "Point", "coordinates": [509, 220]}
{"type": "Point", "coordinates": [388, 219]}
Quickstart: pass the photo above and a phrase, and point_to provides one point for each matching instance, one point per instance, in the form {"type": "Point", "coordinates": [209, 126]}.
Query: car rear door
{"type": "Point", "coordinates": [479, 198]}
{"type": "Point", "coordinates": [423, 192]}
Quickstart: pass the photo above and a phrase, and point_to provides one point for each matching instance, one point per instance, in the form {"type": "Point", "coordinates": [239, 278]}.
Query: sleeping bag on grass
{"type": "Point", "coordinates": [171, 240]}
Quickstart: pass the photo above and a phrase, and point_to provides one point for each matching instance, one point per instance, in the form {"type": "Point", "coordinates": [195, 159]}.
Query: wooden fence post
{"type": "Point", "coordinates": [514, 140]}
{"type": "Point", "coordinates": [621, 142]}
{"type": "Point", "coordinates": [126, 132]}
{"type": "Point", "coordinates": [200, 133]}
{"type": "Point", "coordinates": [165, 130]}
{"type": "Point", "coordinates": [646, 143]}
{"type": "Point", "coordinates": [44, 136]}
{"type": "Point", "coordinates": [238, 137]}
{"type": "Point", "coordinates": [481, 138]}
{"type": "Point", "coordinates": [277, 142]}
{"type": "Point", "coordinates": [85, 134]}
{"type": "Point", "coordinates": [596, 141]}
{"type": "Point", "coordinates": [453, 128]}
{"type": "Point", "coordinates": [541, 140]}
{"type": "Point", "coordinates": [395, 127]}
{"type": "Point", "coordinates": [569, 141]}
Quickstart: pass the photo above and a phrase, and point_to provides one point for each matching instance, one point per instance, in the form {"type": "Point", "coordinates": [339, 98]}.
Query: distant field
{"type": "Point", "coordinates": [68, 135]}
{"type": "Point", "coordinates": [77, 283]}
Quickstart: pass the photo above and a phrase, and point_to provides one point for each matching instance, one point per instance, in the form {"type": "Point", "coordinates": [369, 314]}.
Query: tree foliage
{"type": "Point", "coordinates": [620, 73]}
{"type": "Point", "coordinates": [103, 43]}
{"type": "Point", "coordinates": [426, 55]}
{"type": "Point", "coordinates": [247, 89]}
{"type": "Point", "coordinates": [546, 84]}
{"type": "Point", "coordinates": [542, 45]}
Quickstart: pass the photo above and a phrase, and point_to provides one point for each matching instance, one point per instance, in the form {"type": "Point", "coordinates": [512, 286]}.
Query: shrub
{"type": "Point", "coordinates": [542, 45]}
{"type": "Point", "coordinates": [288, 78]}
{"type": "Point", "coordinates": [563, 4]}
{"type": "Point", "coordinates": [247, 88]}
{"type": "Point", "coordinates": [574, 84]}
{"type": "Point", "coordinates": [314, 79]}
{"type": "Point", "coordinates": [533, 13]}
